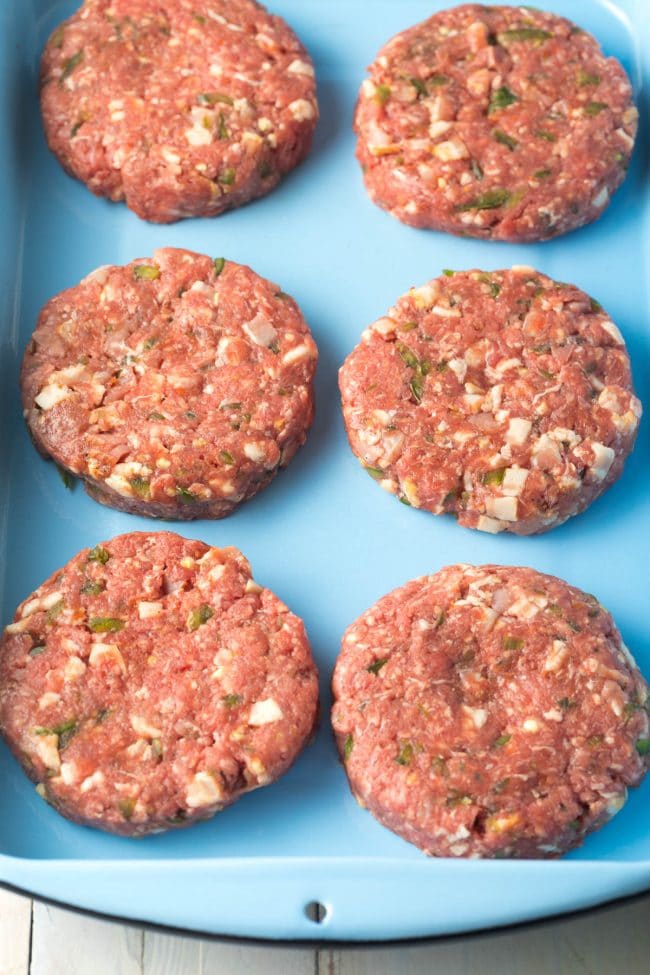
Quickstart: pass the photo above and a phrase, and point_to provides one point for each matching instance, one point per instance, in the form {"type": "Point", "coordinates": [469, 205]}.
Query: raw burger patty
{"type": "Point", "coordinates": [503, 122]}
{"type": "Point", "coordinates": [490, 711]}
{"type": "Point", "coordinates": [180, 109]}
{"type": "Point", "coordinates": [150, 682]}
{"type": "Point", "coordinates": [504, 398]}
{"type": "Point", "coordinates": [175, 386]}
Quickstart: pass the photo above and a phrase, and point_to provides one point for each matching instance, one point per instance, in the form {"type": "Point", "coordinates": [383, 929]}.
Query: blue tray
{"type": "Point", "coordinates": [323, 536]}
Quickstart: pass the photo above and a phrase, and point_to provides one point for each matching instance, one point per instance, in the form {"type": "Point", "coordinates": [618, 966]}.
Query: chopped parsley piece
{"type": "Point", "coordinates": [232, 700]}
{"type": "Point", "coordinates": [65, 732]}
{"type": "Point", "coordinates": [185, 496]}
{"type": "Point", "coordinates": [502, 740]}
{"type": "Point", "coordinates": [69, 65]}
{"type": "Point", "coordinates": [382, 94]}
{"type": "Point", "coordinates": [105, 624]}
{"type": "Point", "coordinates": [66, 477]}
{"type": "Point", "coordinates": [199, 616]}
{"type": "Point", "coordinates": [491, 200]}
{"type": "Point", "coordinates": [419, 86]}
{"type": "Point", "coordinates": [515, 34]}
{"type": "Point", "coordinates": [212, 97]}
{"type": "Point", "coordinates": [405, 756]}
{"type": "Point", "coordinates": [494, 477]}
{"type": "Point", "coordinates": [227, 177]}
{"type": "Point", "coordinates": [592, 109]}
{"type": "Point", "coordinates": [501, 99]}
{"type": "Point", "coordinates": [377, 665]}
{"type": "Point", "coordinates": [146, 272]}
{"type": "Point", "coordinates": [219, 264]}
{"type": "Point", "coordinates": [37, 650]}
{"type": "Point", "coordinates": [140, 486]}
{"type": "Point", "coordinates": [226, 457]}
{"type": "Point", "coordinates": [98, 554]}
{"type": "Point", "coordinates": [504, 139]}
{"type": "Point", "coordinates": [546, 135]}
{"type": "Point", "coordinates": [587, 78]}
{"type": "Point", "coordinates": [542, 173]}
{"type": "Point", "coordinates": [347, 747]}
{"type": "Point", "coordinates": [126, 807]}
{"type": "Point", "coordinates": [91, 588]}
{"type": "Point", "coordinates": [512, 643]}
{"type": "Point", "coordinates": [476, 169]}
{"type": "Point", "coordinates": [565, 703]}
{"type": "Point", "coordinates": [55, 611]}
{"type": "Point", "coordinates": [643, 746]}
{"type": "Point", "coordinates": [376, 472]}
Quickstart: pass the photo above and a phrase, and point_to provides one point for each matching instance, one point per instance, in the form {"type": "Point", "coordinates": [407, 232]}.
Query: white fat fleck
{"type": "Point", "coordinates": [612, 330]}
{"type": "Point", "coordinates": [445, 312]}
{"type": "Point", "coordinates": [506, 364]}
{"type": "Point", "coordinates": [50, 600]}
{"type": "Point", "coordinates": [51, 395]}
{"type": "Point", "coordinates": [450, 150]}
{"type": "Point", "coordinates": [514, 479]}
{"type": "Point", "coordinates": [18, 627]}
{"type": "Point", "coordinates": [616, 803]}
{"type": "Point", "coordinates": [47, 749]}
{"type": "Point", "coordinates": [91, 781]}
{"type": "Point", "coordinates": [254, 452]}
{"type": "Point", "coordinates": [301, 67]}
{"type": "Point", "coordinates": [554, 715]}
{"type": "Point", "coordinates": [203, 790]}
{"type": "Point", "coordinates": [459, 368]}
{"type": "Point", "coordinates": [477, 715]}
{"type": "Point", "coordinates": [106, 653]}
{"type": "Point", "coordinates": [557, 656]}
{"type": "Point", "coordinates": [518, 430]}
{"type": "Point", "coordinates": [297, 353]}
{"type": "Point", "coordinates": [531, 725]}
{"type": "Point", "coordinates": [264, 712]}
{"type": "Point", "coordinates": [260, 331]}
{"type": "Point", "coordinates": [603, 459]}
{"type": "Point", "coordinates": [146, 610]}
{"type": "Point", "coordinates": [69, 773]}
{"type": "Point", "coordinates": [504, 509]}
{"type": "Point", "coordinates": [564, 435]}
{"type": "Point", "coordinates": [30, 607]}
{"type": "Point", "coordinates": [601, 198]}
{"type": "Point", "coordinates": [302, 110]}
{"type": "Point", "coordinates": [74, 668]}
{"type": "Point", "coordinates": [47, 699]}
{"type": "Point", "coordinates": [424, 296]}
{"type": "Point", "coordinates": [490, 525]}
{"type": "Point", "coordinates": [523, 269]}
{"type": "Point", "coordinates": [198, 135]}
{"type": "Point", "coordinates": [142, 727]}
{"type": "Point", "coordinates": [438, 128]}
{"type": "Point", "coordinates": [252, 586]}
{"type": "Point", "coordinates": [525, 607]}
{"type": "Point", "coordinates": [384, 326]}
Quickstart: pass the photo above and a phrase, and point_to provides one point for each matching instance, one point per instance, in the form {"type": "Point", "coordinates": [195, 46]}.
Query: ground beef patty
{"type": "Point", "coordinates": [150, 682]}
{"type": "Point", "coordinates": [490, 711]}
{"type": "Point", "coordinates": [180, 109]}
{"type": "Point", "coordinates": [175, 386]}
{"type": "Point", "coordinates": [503, 122]}
{"type": "Point", "coordinates": [504, 398]}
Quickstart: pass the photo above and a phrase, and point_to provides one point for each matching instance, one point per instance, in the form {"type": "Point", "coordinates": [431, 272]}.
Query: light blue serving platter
{"type": "Point", "coordinates": [323, 535]}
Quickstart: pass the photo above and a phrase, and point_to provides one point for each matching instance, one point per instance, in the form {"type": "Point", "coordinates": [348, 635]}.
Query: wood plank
{"type": "Point", "coordinates": [615, 941]}
{"type": "Point", "coordinates": [222, 959]}
{"type": "Point", "coordinates": [65, 942]}
{"type": "Point", "coordinates": [168, 954]}
{"type": "Point", "coordinates": [15, 926]}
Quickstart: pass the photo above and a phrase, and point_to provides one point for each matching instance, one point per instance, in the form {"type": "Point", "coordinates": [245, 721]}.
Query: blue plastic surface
{"type": "Point", "coordinates": [323, 536]}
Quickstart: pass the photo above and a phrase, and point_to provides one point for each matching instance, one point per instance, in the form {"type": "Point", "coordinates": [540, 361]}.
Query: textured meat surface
{"type": "Point", "coordinates": [502, 122]}
{"type": "Point", "coordinates": [175, 386]}
{"type": "Point", "coordinates": [181, 109]}
{"type": "Point", "coordinates": [490, 711]}
{"type": "Point", "coordinates": [150, 682]}
{"type": "Point", "coordinates": [504, 398]}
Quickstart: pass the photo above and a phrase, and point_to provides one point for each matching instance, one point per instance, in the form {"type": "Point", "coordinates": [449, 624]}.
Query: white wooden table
{"type": "Point", "coordinates": [36, 939]}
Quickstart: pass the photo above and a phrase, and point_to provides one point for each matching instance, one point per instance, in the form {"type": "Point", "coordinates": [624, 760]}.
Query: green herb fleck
{"type": "Point", "coordinates": [212, 97]}
{"type": "Point", "coordinates": [587, 78]}
{"type": "Point", "coordinates": [643, 746]}
{"type": "Point", "coordinates": [495, 289]}
{"type": "Point", "coordinates": [546, 135]}
{"type": "Point", "coordinates": [37, 650]}
{"type": "Point", "coordinates": [405, 755]}
{"type": "Point", "coordinates": [227, 177]}
{"type": "Point", "coordinates": [155, 416]}
{"type": "Point", "coordinates": [54, 611]}
{"type": "Point", "coordinates": [199, 616]}
{"type": "Point", "coordinates": [407, 326]}
{"type": "Point", "coordinates": [419, 86]}
{"type": "Point", "coordinates": [476, 169]}
{"type": "Point", "coordinates": [594, 740]}
{"type": "Point", "coordinates": [407, 356]}
{"type": "Point", "coordinates": [219, 264]}
{"type": "Point", "coordinates": [222, 128]}
{"type": "Point", "coordinates": [75, 128]}
{"type": "Point", "coordinates": [516, 34]}
{"type": "Point", "coordinates": [504, 139]}
{"type": "Point", "coordinates": [150, 342]}
{"type": "Point", "coordinates": [105, 624]}
{"type": "Point", "coordinates": [512, 643]}
{"type": "Point", "coordinates": [448, 273]}
{"type": "Point", "coordinates": [439, 766]}
{"type": "Point", "coordinates": [283, 296]}
{"type": "Point", "coordinates": [501, 99]}
{"type": "Point", "coordinates": [64, 731]}
{"type": "Point", "coordinates": [502, 740]}
{"type": "Point", "coordinates": [566, 703]}
{"type": "Point", "coordinates": [501, 785]}
{"type": "Point", "coordinates": [376, 473]}
{"type": "Point", "coordinates": [542, 174]}
{"type": "Point", "coordinates": [146, 272]}
{"type": "Point", "coordinates": [69, 65]}
{"type": "Point", "coordinates": [66, 477]}
{"type": "Point", "coordinates": [347, 747]}
{"type": "Point", "coordinates": [140, 486]}
{"type": "Point", "coordinates": [232, 700]}
{"type": "Point", "coordinates": [592, 109]}
{"type": "Point", "coordinates": [375, 667]}
{"type": "Point", "coordinates": [226, 457]}
{"type": "Point", "coordinates": [56, 38]}
{"type": "Point", "coordinates": [456, 798]}
{"type": "Point", "coordinates": [417, 389]}
{"type": "Point", "coordinates": [126, 807]}
{"type": "Point", "coordinates": [91, 588]}
{"type": "Point", "coordinates": [437, 80]}
{"type": "Point", "coordinates": [491, 200]}
{"type": "Point", "coordinates": [594, 305]}
{"type": "Point", "coordinates": [382, 94]}
{"type": "Point", "coordinates": [494, 477]}
{"type": "Point", "coordinates": [185, 496]}
{"type": "Point", "coordinates": [98, 554]}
